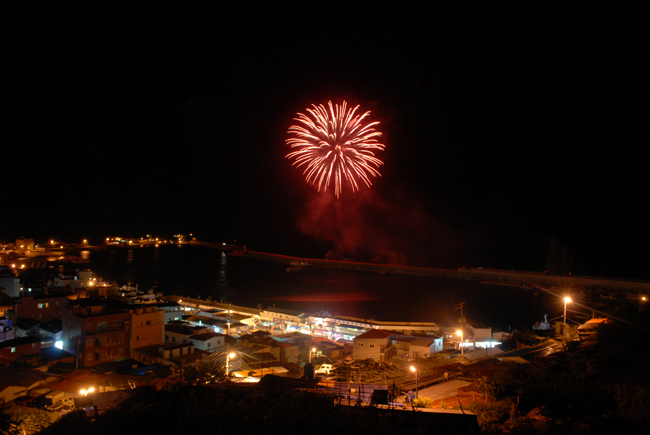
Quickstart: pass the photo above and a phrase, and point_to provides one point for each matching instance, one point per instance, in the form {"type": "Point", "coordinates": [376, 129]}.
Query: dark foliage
{"type": "Point", "coordinates": [192, 409]}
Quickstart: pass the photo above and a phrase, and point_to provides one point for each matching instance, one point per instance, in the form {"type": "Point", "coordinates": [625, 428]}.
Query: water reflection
{"type": "Point", "coordinates": [191, 271]}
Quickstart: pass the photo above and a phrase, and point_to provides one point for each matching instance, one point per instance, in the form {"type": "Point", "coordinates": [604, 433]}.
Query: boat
{"type": "Point", "coordinates": [299, 263]}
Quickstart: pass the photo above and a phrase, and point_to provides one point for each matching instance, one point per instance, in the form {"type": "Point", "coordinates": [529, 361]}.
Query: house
{"type": "Point", "coordinates": [6, 329]}
{"type": "Point", "coordinates": [95, 333]}
{"type": "Point", "coordinates": [180, 332]}
{"type": "Point", "coordinates": [590, 327]}
{"type": "Point", "coordinates": [23, 350]}
{"type": "Point", "coordinates": [9, 284]}
{"type": "Point", "coordinates": [209, 341]}
{"type": "Point", "coordinates": [424, 347]}
{"type": "Point", "coordinates": [371, 344]}
{"type": "Point", "coordinates": [333, 351]}
{"type": "Point", "coordinates": [478, 334]}
{"type": "Point", "coordinates": [42, 307]}
{"type": "Point", "coordinates": [51, 331]}
{"type": "Point", "coordinates": [26, 326]}
{"type": "Point", "coordinates": [147, 327]}
{"type": "Point", "coordinates": [6, 303]}
{"type": "Point", "coordinates": [169, 354]}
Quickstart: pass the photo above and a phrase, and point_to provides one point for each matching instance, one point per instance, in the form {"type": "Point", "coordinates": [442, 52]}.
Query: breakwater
{"type": "Point", "coordinates": [487, 276]}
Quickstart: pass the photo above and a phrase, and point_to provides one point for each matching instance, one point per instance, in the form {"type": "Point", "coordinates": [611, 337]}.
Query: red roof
{"type": "Point", "coordinates": [375, 333]}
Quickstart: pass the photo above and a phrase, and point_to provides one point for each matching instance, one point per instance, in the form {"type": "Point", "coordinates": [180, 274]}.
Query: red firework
{"type": "Point", "coordinates": [335, 144]}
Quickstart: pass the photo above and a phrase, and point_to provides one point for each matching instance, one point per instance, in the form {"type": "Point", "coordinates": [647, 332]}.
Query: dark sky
{"type": "Point", "coordinates": [505, 127]}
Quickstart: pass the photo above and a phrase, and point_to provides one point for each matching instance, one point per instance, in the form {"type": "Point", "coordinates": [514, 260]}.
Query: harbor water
{"type": "Point", "coordinates": [211, 274]}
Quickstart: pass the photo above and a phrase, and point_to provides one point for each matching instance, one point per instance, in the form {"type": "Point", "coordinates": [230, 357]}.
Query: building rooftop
{"type": "Point", "coordinates": [283, 311]}
{"type": "Point", "coordinates": [375, 333]}
{"type": "Point", "coordinates": [205, 336]}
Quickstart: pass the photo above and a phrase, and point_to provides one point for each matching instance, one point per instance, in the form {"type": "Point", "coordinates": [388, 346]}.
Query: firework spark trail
{"type": "Point", "coordinates": [336, 146]}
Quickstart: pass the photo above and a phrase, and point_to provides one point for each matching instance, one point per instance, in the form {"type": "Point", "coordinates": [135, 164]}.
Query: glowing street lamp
{"type": "Point", "coordinates": [462, 343]}
{"type": "Point", "coordinates": [88, 391]}
{"type": "Point", "coordinates": [567, 300]}
{"type": "Point", "coordinates": [417, 379]}
{"type": "Point", "coordinates": [228, 356]}
{"type": "Point", "coordinates": [312, 350]}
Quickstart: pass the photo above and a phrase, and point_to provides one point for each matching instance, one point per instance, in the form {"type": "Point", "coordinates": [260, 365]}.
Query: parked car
{"type": "Point", "coordinates": [23, 400]}
{"type": "Point", "coordinates": [41, 402]}
{"type": "Point", "coordinates": [324, 369]}
{"type": "Point", "coordinates": [56, 406]}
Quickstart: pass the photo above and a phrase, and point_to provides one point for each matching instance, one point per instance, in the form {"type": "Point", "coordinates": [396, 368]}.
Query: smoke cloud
{"type": "Point", "coordinates": [367, 227]}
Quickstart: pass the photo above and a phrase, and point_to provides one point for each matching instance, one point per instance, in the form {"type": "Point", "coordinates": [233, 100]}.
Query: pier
{"type": "Point", "coordinates": [487, 276]}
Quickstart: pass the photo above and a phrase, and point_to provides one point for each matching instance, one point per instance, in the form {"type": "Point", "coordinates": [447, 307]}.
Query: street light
{"type": "Point", "coordinates": [462, 342]}
{"type": "Point", "coordinates": [228, 356]}
{"type": "Point", "coordinates": [88, 391]}
{"type": "Point", "coordinates": [417, 378]}
{"type": "Point", "coordinates": [567, 300]}
{"type": "Point", "coordinates": [312, 350]}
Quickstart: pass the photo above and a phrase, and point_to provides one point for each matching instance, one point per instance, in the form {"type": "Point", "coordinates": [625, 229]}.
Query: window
{"type": "Point", "coordinates": [148, 322]}
{"type": "Point", "coordinates": [88, 326]}
{"type": "Point", "coordinates": [372, 345]}
{"type": "Point", "coordinates": [120, 338]}
{"type": "Point", "coordinates": [89, 356]}
{"type": "Point", "coordinates": [45, 305]}
{"type": "Point", "coordinates": [102, 325]}
{"type": "Point", "coordinates": [118, 322]}
{"type": "Point", "coordinates": [89, 342]}
{"type": "Point", "coordinates": [13, 349]}
{"type": "Point", "coordinates": [120, 351]}
{"type": "Point", "coordinates": [360, 344]}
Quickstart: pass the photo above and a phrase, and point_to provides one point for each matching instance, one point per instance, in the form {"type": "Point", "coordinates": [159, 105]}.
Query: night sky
{"type": "Point", "coordinates": [511, 131]}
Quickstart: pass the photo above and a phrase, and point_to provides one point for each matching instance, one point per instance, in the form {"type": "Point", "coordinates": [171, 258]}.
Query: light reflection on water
{"type": "Point", "coordinates": [196, 271]}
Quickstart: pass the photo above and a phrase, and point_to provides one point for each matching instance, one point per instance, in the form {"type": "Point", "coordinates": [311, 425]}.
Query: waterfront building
{"type": "Point", "coordinates": [219, 325]}
{"type": "Point", "coordinates": [83, 278]}
{"type": "Point", "coordinates": [172, 310]}
{"type": "Point", "coordinates": [282, 320]}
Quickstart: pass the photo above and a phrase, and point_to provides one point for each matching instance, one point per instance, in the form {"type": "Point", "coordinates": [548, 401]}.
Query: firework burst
{"type": "Point", "coordinates": [335, 145]}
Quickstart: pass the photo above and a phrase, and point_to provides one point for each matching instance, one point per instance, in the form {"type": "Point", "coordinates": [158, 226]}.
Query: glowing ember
{"type": "Point", "coordinates": [335, 145]}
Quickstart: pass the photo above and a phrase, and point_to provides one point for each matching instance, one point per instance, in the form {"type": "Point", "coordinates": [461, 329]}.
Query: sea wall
{"type": "Point", "coordinates": [488, 276]}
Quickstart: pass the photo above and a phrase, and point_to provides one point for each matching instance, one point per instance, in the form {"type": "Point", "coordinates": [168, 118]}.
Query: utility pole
{"type": "Point", "coordinates": [461, 320]}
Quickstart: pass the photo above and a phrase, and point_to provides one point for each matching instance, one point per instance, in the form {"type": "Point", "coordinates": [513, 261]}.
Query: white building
{"type": "Point", "coordinates": [209, 341]}
{"type": "Point", "coordinates": [371, 344]}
